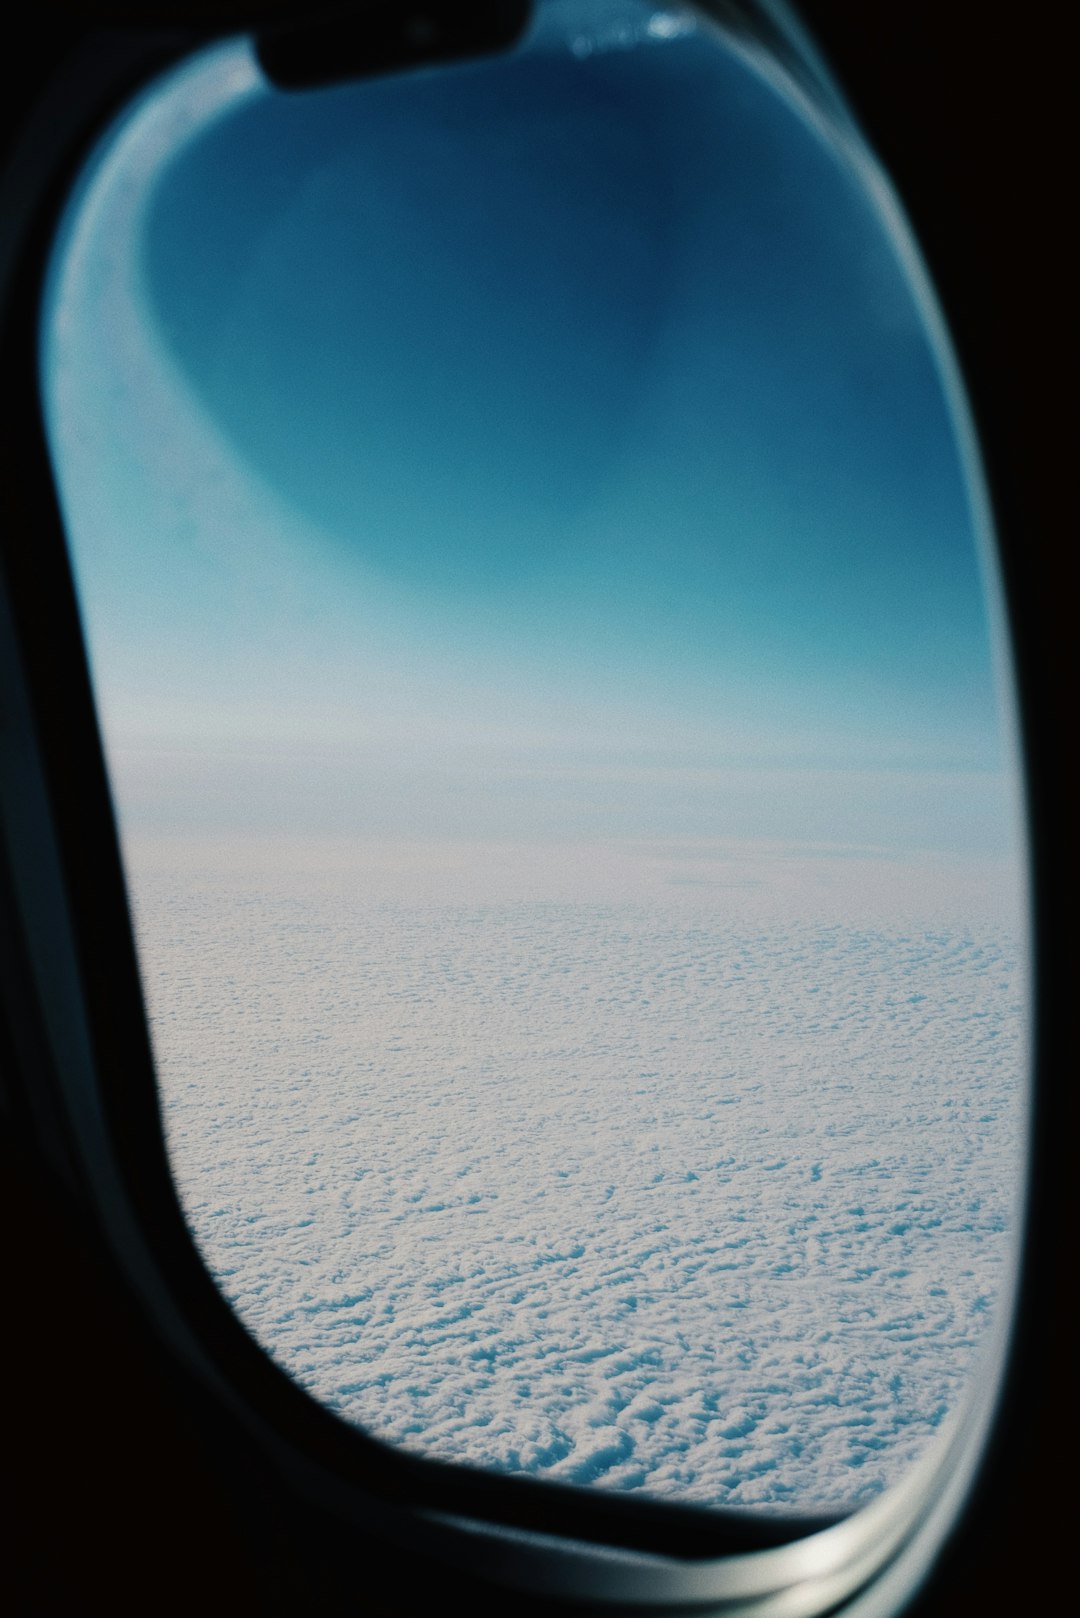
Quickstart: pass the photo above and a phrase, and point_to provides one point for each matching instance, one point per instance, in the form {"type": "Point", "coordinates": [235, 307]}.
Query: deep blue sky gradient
{"type": "Point", "coordinates": [591, 400]}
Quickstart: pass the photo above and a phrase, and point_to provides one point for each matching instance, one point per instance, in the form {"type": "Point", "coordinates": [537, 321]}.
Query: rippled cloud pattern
{"type": "Point", "coordinates": [652, 1200]}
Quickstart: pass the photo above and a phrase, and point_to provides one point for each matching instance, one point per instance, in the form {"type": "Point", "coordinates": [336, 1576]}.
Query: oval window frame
{"type": "Point", "coordinates": [101, 1152]}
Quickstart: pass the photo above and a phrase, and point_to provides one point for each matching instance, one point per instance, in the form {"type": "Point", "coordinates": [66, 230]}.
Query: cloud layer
{"type": "Point", "coordinates": [612, 1194]}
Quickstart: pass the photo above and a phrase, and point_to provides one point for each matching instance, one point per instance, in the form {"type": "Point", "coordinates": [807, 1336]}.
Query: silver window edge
{"type": "Point", "coordinates": [874, 1560]}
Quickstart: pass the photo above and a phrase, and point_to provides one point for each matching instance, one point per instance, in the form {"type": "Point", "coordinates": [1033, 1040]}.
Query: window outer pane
{"type": "Point", "coordinates": [331, 817]}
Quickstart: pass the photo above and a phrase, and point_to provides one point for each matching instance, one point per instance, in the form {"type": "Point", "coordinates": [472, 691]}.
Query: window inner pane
{"type": "Point", "coordinates": [552, 687]}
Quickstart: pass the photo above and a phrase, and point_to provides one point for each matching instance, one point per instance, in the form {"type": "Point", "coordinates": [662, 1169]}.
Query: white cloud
{"type": "Point", "coordinates": [634, 1195]}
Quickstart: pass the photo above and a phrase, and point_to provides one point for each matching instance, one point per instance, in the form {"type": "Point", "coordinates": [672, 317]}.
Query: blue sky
{"type": "Point", "coordinates": [546, 448]}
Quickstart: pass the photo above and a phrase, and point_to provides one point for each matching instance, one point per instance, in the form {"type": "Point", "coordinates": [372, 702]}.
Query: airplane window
{"type": "Point", "coordinates": [551, 672]}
